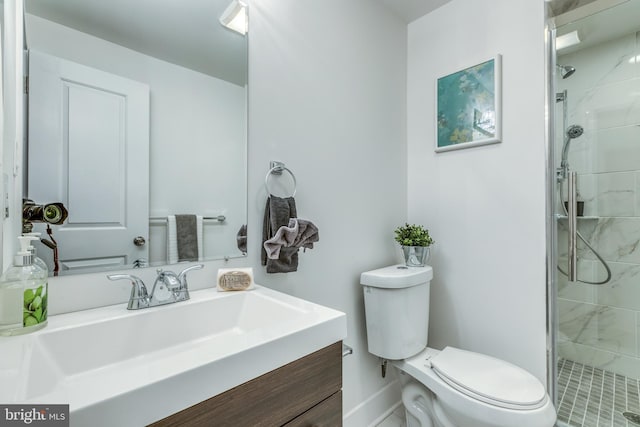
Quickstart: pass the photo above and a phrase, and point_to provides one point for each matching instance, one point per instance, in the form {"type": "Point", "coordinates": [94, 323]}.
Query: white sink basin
{"type": "Point", "coordinates": [121, 367]}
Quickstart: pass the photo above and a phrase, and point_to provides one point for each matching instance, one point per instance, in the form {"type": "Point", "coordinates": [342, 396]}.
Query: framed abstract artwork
{"type": "Point", "coordinates": [468, 106]}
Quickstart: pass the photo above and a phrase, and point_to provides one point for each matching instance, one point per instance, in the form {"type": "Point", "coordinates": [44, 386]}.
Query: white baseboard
{"type": "Point", "coordinates": [376, 408]}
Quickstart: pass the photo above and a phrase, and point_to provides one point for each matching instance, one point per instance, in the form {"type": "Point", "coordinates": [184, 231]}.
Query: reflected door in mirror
{"type": "Point", "coordinates": [89, 148]}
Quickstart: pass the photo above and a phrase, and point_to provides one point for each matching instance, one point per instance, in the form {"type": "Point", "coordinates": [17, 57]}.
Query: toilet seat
{"type": "Point", "coordinates": [488, 379]}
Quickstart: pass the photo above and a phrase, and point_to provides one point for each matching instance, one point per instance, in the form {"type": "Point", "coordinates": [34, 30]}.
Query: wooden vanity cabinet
{"type": "Point", "coordinates": [303, 393]}
{"type": "Point", "coordinates": [327, 413]}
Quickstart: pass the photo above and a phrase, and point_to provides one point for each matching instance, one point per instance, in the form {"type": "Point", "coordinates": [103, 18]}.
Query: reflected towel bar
{"type": "Point", "coordinates": [219, 218]}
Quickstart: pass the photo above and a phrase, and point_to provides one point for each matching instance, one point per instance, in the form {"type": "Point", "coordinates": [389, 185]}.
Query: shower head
{"type": "Point", "coordinates": [575, 131]}
{"type": "Point", "coordinates": [566, 70]}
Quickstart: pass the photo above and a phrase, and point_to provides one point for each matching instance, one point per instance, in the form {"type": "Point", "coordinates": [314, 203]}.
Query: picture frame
{"type": "Point", "coordinates": [469, 106]}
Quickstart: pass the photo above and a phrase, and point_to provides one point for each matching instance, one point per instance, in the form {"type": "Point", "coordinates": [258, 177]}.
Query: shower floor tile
{"type": "Point", "coordinates": [591, 397]}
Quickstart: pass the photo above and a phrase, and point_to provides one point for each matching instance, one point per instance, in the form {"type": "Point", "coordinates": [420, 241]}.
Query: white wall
{"type": "Point", "coordinates": [327, 97]}
{"type": "Point", "coordinates": [197, 133]}
{"type": "Point", "coordinates": [484, 206]}
{"type": "Point", "coordinates": [12, 131]}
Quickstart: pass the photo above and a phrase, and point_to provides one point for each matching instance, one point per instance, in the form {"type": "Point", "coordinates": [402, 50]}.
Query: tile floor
{"type": "Point", "coordinates": [591, 397]}
{"type": "Point", "coordinates": [395, 419]}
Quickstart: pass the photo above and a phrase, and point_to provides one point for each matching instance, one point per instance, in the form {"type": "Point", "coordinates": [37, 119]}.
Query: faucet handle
{"type": "Point", "coordinates": [182, 277]}
{"type": "Point", "coordinates": [139, 297]}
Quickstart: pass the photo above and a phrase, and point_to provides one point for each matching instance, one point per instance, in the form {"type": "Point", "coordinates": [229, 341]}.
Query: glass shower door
{"type": "Point", "coordinates": [597, 122]}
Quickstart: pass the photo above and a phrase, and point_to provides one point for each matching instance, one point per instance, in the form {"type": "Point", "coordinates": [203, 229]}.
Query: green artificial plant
{"type": "Point", "coordinates": [413, 235]}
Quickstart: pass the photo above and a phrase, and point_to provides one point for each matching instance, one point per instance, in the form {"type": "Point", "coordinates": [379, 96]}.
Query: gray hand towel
{"type": "Point", "coordinates": [307, 234]}
{"type": "Point", "coordinates": [287, 262]}
{"type": "Point", "coordinates": [187, 237]}
{"type": "Point", "coordinates": [299, 233]}
{"type": "Point", "coordinates": [284, 237]}
{"type": "Point", "coordinates": [277, 212]}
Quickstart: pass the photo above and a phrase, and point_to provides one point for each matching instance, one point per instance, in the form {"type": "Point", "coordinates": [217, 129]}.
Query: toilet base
{"type": "Point", "coordinates": [424, 408]}
{"type": "Point", "coordinates": [415, 407]}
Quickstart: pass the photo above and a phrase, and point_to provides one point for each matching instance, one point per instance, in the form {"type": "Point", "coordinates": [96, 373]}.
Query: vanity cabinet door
{"type": "Point", "coordinates": [302, 387]}
{"type": "Point", "coordinates": [327, 413]}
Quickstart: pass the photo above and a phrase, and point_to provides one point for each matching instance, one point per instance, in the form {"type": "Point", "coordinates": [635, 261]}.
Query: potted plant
{"type": "Point", "coordinates": [415, 241]}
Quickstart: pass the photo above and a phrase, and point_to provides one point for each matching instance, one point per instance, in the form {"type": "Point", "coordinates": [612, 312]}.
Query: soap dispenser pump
{"type": "Point", "coordinates": [23, 294]}
{"type": "Point", "coordinates": [36, 260]}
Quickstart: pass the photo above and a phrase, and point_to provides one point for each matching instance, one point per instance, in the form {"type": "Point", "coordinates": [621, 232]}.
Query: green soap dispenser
{"type": "Point", "coordinates": [23, 294]}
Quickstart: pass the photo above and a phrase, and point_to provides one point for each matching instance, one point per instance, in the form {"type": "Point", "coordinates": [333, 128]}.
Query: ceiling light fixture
{"type": "Point", "coordinates": [235, 17]}
{"type": "Point", "coordinates": [567, 40]}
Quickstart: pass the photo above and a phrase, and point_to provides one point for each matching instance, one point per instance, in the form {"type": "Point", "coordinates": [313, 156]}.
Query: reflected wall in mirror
{"type": "Point", "coordinates": [137, 112]}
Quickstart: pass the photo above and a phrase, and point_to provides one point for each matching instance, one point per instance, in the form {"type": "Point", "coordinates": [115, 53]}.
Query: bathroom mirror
{"type": "Point", "coordinates": [163, 75]}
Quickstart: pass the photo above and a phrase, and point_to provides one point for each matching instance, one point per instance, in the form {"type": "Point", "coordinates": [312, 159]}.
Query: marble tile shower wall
{"type": "Point", "coordinates": [600, 325]}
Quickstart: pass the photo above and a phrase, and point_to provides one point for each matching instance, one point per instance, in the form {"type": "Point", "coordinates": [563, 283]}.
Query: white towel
{"type": "Point", "coordinates": [200, 230]}
{"type": "Point", "coordinates": [172, 239]}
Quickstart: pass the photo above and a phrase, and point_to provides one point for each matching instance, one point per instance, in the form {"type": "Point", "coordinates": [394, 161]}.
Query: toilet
{"type": "Point", "coordinates": [449, 387]}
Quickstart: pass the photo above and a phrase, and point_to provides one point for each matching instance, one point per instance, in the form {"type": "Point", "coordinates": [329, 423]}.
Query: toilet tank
{"type": "Point", "coordinates": [396, 303]}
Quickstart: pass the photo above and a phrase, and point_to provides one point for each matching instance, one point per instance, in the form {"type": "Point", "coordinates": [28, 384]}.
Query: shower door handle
{"type": "Point", "coordinates": [572, 217]}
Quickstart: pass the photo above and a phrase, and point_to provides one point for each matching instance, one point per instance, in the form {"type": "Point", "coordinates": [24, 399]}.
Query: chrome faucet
{"type": "Point", "coordinates": [168, 288]}
{"type": "Point", "coordinates": [139, 297]}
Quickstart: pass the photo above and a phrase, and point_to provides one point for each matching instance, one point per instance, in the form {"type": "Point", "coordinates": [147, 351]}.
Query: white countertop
{"type": "Point", "coordinates": [130, 368]}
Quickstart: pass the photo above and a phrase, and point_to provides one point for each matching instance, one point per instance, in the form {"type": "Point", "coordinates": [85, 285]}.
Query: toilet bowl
{"type": "Point", "coordinates": [465, 389]}
{"type": "Point", "coordinates": [452, 387]}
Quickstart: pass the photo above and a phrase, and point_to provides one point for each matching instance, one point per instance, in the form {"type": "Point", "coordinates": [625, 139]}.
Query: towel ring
{"type": "Point", "coordinates": [277, 169]}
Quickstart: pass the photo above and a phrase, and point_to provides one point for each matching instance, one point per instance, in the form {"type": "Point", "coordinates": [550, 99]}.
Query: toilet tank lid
{"type": "Point", "coordinates": [397, 276]}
